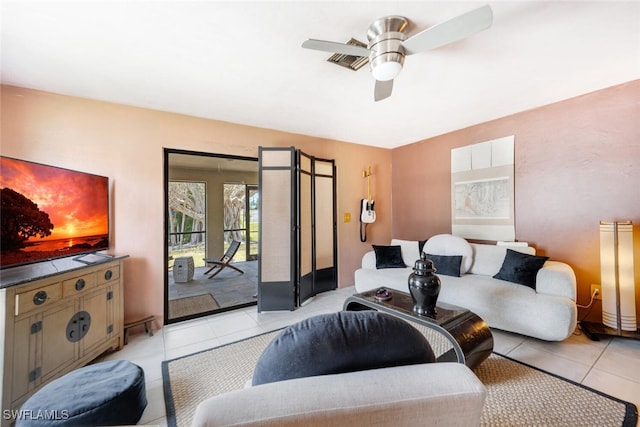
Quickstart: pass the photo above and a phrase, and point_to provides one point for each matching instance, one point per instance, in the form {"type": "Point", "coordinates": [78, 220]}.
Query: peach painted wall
{"type": "Point", "coordinates": [126, 144]}
{"type": "Point", "coordinates": [576, 162]}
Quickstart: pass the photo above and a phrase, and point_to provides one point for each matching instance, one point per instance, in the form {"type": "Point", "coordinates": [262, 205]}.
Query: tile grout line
{"type": "Point", "coordinates": [595, 361]}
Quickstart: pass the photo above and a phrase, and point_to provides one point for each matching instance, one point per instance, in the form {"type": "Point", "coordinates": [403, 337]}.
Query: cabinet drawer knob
{"type": "Point", "coordinates": [80, 284]}
{"type": "Point", "coordinates": [108, 274]}
{"type": "Point", "coordinates": [40, 297]}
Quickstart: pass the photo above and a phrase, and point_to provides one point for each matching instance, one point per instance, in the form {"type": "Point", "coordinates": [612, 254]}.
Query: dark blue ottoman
{"type": "Point", "coordinates": [103, 394]}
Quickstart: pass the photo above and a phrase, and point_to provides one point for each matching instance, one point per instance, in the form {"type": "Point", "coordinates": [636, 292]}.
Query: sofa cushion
{"type": "Point", "coordinates": [389, 256]}
{"type": "Point", "coordinates": [448, 265]}
{"type": "Point", "coordinates": [341, 342]}
{"type": "Point", "coordinates": [410, 250]}
{"type": "Point", "coordinates": [510, 307]}
{"type": "Point", "coordinates": [521, 268]}
{"type": "Point", "coordinates": [488, 259]}
{"type": "Point", "coordinates": [447, 244]}
{"type": "Point", "coordinates": [369, 260]}
{"type": "Point", "coordinates": [370, 278]}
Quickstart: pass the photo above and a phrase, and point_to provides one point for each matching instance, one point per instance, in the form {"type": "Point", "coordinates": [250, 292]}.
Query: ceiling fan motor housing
{"type": "Point", "coordinates": [385, 42]}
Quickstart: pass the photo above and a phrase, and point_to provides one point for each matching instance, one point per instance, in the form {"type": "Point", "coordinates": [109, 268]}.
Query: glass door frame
{"type": "Point", "coordinates": [167, 152]}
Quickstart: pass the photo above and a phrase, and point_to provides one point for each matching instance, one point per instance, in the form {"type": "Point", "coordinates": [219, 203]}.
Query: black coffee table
{"type": "Point", "coordinates": [469, 335]}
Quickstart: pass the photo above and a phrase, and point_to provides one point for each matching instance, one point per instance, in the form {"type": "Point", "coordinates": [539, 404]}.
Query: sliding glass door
{"type": "Point", "coordinates": [209, 200]}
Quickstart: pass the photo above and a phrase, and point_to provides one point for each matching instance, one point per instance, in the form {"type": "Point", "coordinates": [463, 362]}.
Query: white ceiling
{"type": "Point", "coordinates": [242, 62]}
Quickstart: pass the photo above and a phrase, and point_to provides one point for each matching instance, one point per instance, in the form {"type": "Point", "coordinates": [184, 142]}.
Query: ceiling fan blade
{"type": "Point", "coordinates": [382, 89]}
{"type": "Point", "coordinates": [334, 47]}
{"type": "Point", "coordinates": [450, 31]}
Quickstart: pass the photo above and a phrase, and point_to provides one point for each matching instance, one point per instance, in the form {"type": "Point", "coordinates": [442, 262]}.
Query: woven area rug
{"type": "Point", "coordinates": [518, 395]}
{"type": "Point", "coordinates": [191, 305]}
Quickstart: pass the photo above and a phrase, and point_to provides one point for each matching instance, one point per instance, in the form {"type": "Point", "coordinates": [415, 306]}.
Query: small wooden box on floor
{"type": "Point", "coordinates": [51, 324]}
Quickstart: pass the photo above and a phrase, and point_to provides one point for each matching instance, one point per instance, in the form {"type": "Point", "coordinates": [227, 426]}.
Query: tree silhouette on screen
{"type": "Point", "coordinates": [20, 219]}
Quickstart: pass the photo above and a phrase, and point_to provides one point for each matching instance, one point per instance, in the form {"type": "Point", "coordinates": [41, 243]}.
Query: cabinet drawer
{"type": "Point", "coordinates": [78, 284]}
{"type": "Point", "coordinates": [37, 298]}
{"type": "Point", "coordinates": [108, 274]}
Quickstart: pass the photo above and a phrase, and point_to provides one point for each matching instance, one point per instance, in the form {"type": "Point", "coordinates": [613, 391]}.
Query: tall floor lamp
{"type": "Point", "coordinates": [618, 283]}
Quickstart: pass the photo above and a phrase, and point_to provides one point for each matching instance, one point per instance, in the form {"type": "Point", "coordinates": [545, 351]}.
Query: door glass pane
{"type": "Point", "coordinates": [254, 223]}
{"type": "Point", "coordinates": [187, 219]}
{"type": "Point", "coordinates": [235, 218]}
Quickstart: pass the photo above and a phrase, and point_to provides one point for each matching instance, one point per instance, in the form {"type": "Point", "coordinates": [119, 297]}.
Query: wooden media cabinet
{"type": "Point", "coordinates": [56, 317]}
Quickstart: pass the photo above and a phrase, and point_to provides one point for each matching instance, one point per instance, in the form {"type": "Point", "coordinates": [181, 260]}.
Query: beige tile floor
{"type": "Point", "coordinates": [610, 365]}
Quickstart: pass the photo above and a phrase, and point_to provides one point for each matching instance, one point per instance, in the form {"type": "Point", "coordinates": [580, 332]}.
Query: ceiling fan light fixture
{"type": "Point", "coordinates": [388, 43]}
{"type": "Point", "coordinates": [387, 66]}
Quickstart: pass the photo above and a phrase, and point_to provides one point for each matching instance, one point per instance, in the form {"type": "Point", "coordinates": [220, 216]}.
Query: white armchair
{"type": "Point", "coordinates": [443, 394]}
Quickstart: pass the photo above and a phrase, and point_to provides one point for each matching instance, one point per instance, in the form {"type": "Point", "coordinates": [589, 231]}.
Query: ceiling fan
{"type": "Point", "coordinates": [388, 43]}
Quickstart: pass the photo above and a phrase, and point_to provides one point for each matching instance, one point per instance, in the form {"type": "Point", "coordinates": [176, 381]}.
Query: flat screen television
{"type": "Point", "coordinates": [47, 212]}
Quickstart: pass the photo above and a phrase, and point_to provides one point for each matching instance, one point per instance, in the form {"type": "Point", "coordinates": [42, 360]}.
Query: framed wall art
{"type": "Point", "coordinates": [482, 190]}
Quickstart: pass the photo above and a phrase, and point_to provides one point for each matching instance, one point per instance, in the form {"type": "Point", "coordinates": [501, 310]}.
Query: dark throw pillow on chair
{"type": "Point", "coordinates": [388, 256]}
{"type": "Point", "coordinates": [520, 268]}
{"type": "Point", "coordinates": [341, 342]}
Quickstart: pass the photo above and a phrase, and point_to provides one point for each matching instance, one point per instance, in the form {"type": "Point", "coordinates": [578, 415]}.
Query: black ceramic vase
{"type": "Point", "coordinates": [424, 287]}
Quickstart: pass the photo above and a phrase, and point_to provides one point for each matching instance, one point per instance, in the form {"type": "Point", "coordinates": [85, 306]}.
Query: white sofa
{"type": "Point", "coordinates": [547, 312]}
{"type": "Point", "coordinates": [443, 394]}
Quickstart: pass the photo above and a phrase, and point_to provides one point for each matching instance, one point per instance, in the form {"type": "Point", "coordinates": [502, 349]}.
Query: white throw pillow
{"type": "Point", "coordinates": [488, 259]}
{"type": "Point", "coordinates": [410, 250]}
{"type": "Point", "coordinates": [448, 244]}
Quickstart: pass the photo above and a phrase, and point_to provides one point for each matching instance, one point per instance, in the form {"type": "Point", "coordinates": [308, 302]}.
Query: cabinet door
{"type": "Point", "coordinates": [56, 351]}
{"type": "Point", "coordinates": [23, 358]}
{"type": "Point", "coordinates": [99, 306]}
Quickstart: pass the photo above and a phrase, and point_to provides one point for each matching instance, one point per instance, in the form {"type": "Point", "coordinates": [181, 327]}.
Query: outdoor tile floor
{"type": "Point", "coordinates": [229, 288]}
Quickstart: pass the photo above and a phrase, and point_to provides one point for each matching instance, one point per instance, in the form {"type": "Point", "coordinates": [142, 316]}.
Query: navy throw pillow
{"type": "Point", "coordinates": [345, 341]}
{"type": "Point", "coordinates": [388, 256]}
{"type": "Point", "coordinates": [448, 265]}
{"type": "Point", "coordinates": [520, 268]}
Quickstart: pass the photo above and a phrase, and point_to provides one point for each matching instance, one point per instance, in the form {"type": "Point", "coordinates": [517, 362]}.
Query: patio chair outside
{"type": "Point", "coordinates": [222, 263]}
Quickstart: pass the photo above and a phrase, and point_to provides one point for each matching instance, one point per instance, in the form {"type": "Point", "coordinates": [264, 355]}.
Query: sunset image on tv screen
{"type": "Point", "coordinates": [49, 212]}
